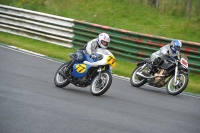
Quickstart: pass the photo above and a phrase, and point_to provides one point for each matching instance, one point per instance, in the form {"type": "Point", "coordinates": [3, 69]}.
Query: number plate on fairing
{"type": "Point", "coordinates": [184, 62]}
{"type": "Point", "coordinates": [111, 61]}
{"type": "Point", "coordinates": [80, 70]}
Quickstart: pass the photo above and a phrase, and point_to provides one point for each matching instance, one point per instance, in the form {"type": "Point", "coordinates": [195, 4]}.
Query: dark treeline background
{"type": "Point", "coordinates": [185, 8]}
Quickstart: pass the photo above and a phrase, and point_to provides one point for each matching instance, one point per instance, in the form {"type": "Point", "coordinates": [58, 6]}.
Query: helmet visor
{"type": "Point", "coordinates": [177, 48]}
{"type": "Point", "coordinates": [104, 43]}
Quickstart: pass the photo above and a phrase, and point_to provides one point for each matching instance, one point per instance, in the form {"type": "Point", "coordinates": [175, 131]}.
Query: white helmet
{"type": "Point", "coordinates": [103, 40]}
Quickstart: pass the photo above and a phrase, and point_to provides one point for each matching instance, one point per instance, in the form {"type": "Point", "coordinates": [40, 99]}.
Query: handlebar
{"type": "Point", "coordinates": [99, 57]}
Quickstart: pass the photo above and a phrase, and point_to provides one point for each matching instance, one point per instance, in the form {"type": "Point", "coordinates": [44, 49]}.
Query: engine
{"type": "Point", "coordinates": [84, 81]}
{"type": "Point", "coordinates": [159, 81]}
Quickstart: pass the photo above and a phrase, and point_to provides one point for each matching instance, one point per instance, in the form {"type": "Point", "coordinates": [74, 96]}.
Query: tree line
{"type": "Point", "coordinates": [185, 8]}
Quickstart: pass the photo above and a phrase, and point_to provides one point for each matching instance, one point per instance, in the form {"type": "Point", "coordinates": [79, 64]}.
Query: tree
{"type": "Point", "coordinates": [154, 3]}
{"type": "Point", "coordinates": [189, 7]}
{"type": "Point", "coordinates": [131, 1]}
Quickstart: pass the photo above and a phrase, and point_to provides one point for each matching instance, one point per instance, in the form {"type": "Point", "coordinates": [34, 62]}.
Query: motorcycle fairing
{"type": "Point", "coordinates": [80, 70]}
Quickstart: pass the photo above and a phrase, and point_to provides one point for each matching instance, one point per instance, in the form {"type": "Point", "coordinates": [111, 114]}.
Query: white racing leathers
{"type": "Point", "coordinates": [162, 53]}
{"type": "Point", "coordinates": [91, 47]}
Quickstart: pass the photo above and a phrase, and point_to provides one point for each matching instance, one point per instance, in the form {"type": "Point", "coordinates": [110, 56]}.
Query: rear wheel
{"type": "Point", "coordinates": [136, 80]}
{"type": "Point", "coordinates": [59, 80]}
{"type": "Point", "coordinates": [181, 84]}
{"type": "Point", "coordinates": [99, 87]}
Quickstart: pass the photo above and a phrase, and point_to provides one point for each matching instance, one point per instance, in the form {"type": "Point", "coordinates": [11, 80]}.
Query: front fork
{"type": "Point", "coordinates": [98, 83]}
{"type": "Point", "coordinates": [175, 75]}
{"type": "Point", "coordinates": [99, 70]}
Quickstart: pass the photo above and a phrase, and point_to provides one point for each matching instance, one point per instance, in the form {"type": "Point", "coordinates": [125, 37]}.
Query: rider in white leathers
{"type": "Point", "coordinates": [90, 48]}
{"type": "Point", "coordinates": [101, 41]}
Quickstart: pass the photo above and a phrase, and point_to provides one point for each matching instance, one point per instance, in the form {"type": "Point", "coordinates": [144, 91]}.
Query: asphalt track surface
{"type": "Point", "coordinates": [30, 103]}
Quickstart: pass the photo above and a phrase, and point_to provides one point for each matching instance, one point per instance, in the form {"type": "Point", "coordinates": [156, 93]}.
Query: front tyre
{"type": "Point", "coordinates": [99, 87]}
{"type": "Point", "coordinates": [182, 82]}
{"type": "Point", "coordinates": [135, 80]}
{"type": "Point", "coordinates": [59, 80]}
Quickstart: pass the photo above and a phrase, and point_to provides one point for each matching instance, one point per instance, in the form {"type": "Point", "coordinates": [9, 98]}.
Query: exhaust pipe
{"type": "Point", "coordinates": [143, 76]}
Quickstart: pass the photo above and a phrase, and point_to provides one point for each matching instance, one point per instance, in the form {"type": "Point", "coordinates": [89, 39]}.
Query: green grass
{"type": "Point", "coordinates": [122, 68]}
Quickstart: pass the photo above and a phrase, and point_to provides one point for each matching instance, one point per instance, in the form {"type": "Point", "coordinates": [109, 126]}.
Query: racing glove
{"type": "Point", "coordinates": [93, 56]}
{"type": "Point", "coordinates": [171, 58]}
{"type": "Point", "coordinates": [167, 55]}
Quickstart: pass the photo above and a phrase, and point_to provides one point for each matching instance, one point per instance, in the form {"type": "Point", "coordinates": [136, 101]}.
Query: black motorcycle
{"type": "Point", "coordinates": [171, 72]}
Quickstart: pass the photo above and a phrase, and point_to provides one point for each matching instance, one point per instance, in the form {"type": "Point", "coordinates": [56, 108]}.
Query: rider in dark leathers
{"type": "Point", "coordinates": [165, 52]}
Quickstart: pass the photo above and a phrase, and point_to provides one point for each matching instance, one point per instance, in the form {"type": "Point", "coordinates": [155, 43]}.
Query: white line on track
{"type": "Point", "coordinates": [45, 58]}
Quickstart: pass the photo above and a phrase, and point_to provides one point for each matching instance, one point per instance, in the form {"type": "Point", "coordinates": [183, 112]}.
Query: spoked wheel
{"type": "Point", "coordinates": [99, 87]}
{"type": "Point", "coordinates": [59, 80]}
{"type": "Point", "coordinates": [179, 86]}
{"type": "Point", "coordinates": [136, 80]}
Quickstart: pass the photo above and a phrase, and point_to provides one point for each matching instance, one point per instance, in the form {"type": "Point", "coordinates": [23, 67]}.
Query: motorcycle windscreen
{"type": "Point", "coordinates": [80, 70]}
{"type": "Point", "coordinates": [184, 56]}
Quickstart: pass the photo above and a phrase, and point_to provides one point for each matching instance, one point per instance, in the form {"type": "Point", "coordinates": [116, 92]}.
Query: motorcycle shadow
{"type": "Point", "coordinates": [84, 91]}
{"type": "Point", "coordinates": [160, 91]}
{"type": "Point", "coordinates": [74, 89]}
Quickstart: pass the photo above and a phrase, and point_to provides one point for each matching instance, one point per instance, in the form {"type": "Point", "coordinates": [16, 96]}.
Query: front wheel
{"type": "Point", "coordinates": [59, 80]}
{"type": "Point", "coordinates": [100, 86]}
{"type": "Point", "coordinates": [182, 82]}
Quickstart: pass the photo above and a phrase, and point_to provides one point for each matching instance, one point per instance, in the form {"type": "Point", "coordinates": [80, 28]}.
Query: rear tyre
{"type": "Point", "coordinates": [59, 80]}
{"type": "Point", "coordinates": [135, 80]}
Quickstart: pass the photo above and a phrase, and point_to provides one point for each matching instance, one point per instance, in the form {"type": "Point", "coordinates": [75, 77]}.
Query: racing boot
{"type": "Point", "coordinates": [65, 71]}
